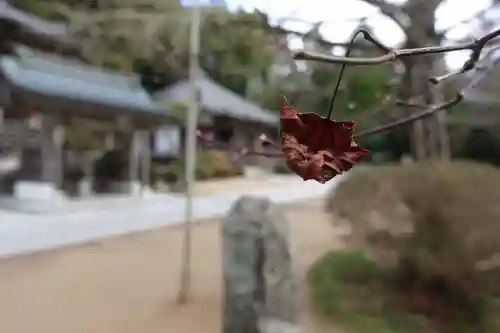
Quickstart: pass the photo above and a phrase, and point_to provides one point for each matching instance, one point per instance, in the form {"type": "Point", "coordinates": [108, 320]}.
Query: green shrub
{"type": "Point", "coordinates": [218, 163]}
{"type": "Point", "coordinates": [281, 167]}
{"type": "Point", "coordinates": [481, 145]}
{"type": "Point", "coordinates": [436, 224]}
{"type": "Point", "coordinates": [171, 173]}
{"type": "Point", "coordinates": [209, 164]}
{"type": "Point", "coordinates": [352, 291]}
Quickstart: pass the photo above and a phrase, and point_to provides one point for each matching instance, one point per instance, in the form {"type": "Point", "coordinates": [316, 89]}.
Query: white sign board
{"type": "Point", "coordinates": [167, 140]}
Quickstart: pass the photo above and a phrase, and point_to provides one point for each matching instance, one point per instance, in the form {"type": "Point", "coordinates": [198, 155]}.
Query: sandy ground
{"type": "Point", "coordinates": [233, 184]}
{"type": "Point", "coordinates": [129, 284]}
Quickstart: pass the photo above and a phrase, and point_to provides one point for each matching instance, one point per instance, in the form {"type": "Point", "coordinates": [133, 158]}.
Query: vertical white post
{"type": "Point", "coordinates": [145, 160]}
{"type": "Point", "coordinates": [52, 150]}
{"type": "Point", "coordinates": [192, 120]}
{"type": "Point", "coordinates": [133, 163]}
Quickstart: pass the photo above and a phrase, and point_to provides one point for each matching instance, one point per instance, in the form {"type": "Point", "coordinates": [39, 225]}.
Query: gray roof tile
{"type": "Point", "coordinates": [81, 83]}
{"type": "Point", "coordinates": [32, 23]}
{"type": "Point", "coordinates": [219, 100]}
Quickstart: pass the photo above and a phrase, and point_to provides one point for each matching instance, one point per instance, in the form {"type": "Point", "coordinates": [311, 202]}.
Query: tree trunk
{"type": "Point", "coordinates": [442, 116]}
{"type": "Point", "coordinates": [430, 136]}
{"type": "Point", "coordinates": [416, 87]}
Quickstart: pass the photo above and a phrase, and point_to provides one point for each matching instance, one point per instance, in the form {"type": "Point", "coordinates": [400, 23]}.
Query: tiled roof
{"type": "Point", "coordinates": [219, 100]}
{"type": "Point", "coordinates": [32, 23]}
{"type": "Point", "coordinates": [61, 79]}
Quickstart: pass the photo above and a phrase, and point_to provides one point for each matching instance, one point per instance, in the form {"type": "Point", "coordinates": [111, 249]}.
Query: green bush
{"type": "Point", "coordinates": [481, 145]}
{"type": "Point", "coordinates": [210, 164]}
{"type": "Point", "coordinates": [358, 295]}
{"type": "Point", "coordinates": [171, 173]}
{"type": "Point", "coordinates": [436, 224]}
{"type": "Point", "coordinates": [281, 167]}
{"type": "Point", "coordinates": [218, 163]}
{"type": "Point", "coordinates": [346, 287]}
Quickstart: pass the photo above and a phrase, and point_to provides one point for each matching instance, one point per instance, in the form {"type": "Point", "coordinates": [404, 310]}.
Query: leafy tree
{"type": "Point", "coordinates": [152, 38]}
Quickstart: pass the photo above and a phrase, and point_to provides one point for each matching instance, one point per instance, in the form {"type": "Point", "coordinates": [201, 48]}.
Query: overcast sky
{"type": "Point", "coordinates": [337, 12]}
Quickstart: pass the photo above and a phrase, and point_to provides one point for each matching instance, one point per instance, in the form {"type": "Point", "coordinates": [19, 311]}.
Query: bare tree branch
{"type": "Point", "coordinates": [476, 47]}
{"type": "Point", "coordinates": [430, 110]}
{"type": "Point", "coordinates": [320, 41]}
{"type": "Point", "coordinates": [323, 42]}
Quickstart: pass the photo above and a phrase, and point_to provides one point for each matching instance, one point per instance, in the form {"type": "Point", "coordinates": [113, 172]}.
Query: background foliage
{"type": "Point", "coordinates": [151, 37]}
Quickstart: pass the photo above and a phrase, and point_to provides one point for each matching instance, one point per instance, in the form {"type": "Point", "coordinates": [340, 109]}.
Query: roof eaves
{"type": "Point", "coordinates": [59, 86]}
{"type": "Point", "coordinates": [211, 95]}
{"type": "Point", "coordinates": [32, 22]}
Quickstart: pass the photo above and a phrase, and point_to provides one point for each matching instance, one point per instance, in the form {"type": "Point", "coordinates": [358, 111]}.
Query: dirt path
{"type": "Point", "coordinates": [128, 285]}
{"type": "Point", "coordinates": [236, 184]}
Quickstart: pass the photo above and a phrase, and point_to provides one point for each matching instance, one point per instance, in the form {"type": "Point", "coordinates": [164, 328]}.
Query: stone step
{"type": "Point", "coordinates": [9, 164]}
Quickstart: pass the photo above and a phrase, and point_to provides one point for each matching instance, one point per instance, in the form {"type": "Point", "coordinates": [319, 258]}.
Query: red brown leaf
{"type": "Point", "coordinates": [315, 147]}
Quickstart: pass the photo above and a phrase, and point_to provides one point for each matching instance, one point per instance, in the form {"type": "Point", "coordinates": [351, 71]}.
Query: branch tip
{"type": "Point", "coordinates": [476, 47]}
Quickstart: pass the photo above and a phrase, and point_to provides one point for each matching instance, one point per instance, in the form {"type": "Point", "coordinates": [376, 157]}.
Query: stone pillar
{"type": "Point", "coordinates": [85, 186]}
{"type": "Point", "coordinates": [52, 137]}
{"type": "Point", "coordinates": [45, 192]}
{"type": "Point", "coordinates": [134, 163]}
{"type": "Point", "coordinates": [145, 151]}
{"type": "Point", "coordinates": [260, 288]}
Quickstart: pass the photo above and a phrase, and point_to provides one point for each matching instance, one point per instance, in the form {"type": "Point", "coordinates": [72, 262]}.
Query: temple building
{"type": "Point", "coordinates": [47, 97]}
{"type": "Point", "coordinates": [69, 130]}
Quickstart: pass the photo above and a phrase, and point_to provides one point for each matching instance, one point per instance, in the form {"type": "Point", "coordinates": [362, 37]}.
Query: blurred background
{"type": "Point", "coordinates": [96, 98]}
{"type": "Point", "coordinates": [245, 69]}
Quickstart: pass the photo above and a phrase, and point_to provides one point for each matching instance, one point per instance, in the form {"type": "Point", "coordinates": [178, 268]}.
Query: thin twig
{"type": "Point", "coordinates": [391, 55]}
{"type": "Point", "coordinates": [210, 143]}
{"type": "Point", "coordinates": [372, 39]}
{"type": "Point", "coordinates": [476, 47]}
{"type": "Point", "coordinates": [341, 73]}
{"type": "Point", "coordinates": [410, 119]}
{"type": "Point", "coordinates": [429, 110]}
{"type": "Point", "coordinates": [367, 36]}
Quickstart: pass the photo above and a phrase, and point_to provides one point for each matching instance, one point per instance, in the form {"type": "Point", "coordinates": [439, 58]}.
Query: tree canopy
{"type": "Point", "coordinates": [238, 49]}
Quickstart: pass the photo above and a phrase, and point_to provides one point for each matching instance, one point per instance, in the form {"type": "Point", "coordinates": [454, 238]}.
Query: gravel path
{"type": "Point", "coordinates": [86, 221]}
{"type": "Point", "coordinates": [128, 284]}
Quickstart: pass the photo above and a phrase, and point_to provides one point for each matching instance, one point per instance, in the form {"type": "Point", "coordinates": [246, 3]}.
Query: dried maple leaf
{"type": "Point", "coordinates": [315, 147]}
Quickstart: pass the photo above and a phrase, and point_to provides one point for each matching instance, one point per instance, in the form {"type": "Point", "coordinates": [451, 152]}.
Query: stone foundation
{"type": "Point", "coordinates": [33, 190]}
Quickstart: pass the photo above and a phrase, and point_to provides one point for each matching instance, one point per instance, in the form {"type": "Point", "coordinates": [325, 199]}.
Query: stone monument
{"type": "Point", "coordinates": [260, 289]}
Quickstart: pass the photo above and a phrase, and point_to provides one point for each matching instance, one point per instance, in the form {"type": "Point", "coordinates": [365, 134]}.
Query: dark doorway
{"type": "Point", "coordinates": [109, 169]}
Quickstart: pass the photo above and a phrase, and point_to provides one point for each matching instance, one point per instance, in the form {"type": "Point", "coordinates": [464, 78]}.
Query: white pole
{"type": "Point", "coordinates": [192, 120]}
